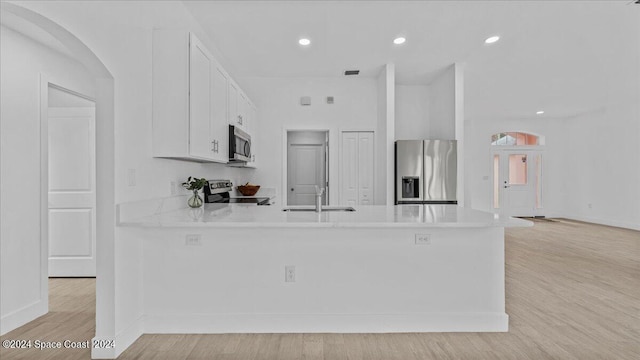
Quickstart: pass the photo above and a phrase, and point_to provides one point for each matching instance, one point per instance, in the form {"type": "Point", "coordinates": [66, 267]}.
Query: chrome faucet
{"type": "Point", "coordinates": [319, 192]}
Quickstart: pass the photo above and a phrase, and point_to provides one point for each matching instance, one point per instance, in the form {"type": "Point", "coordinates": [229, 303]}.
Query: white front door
{"type": "Point", "coordinates": [306, 170]}
{"type": "Point", "coordinates": [72, 192]}
{"type": "Point", "coordinates": [517, 182]}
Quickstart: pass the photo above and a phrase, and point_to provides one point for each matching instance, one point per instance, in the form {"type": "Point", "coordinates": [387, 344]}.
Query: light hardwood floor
{"type": "Point", "coordinates": [573, 292]}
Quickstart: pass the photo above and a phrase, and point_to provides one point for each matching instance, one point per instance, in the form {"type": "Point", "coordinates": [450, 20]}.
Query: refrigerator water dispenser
{"type": "Point", "coordinates": [410, 187]}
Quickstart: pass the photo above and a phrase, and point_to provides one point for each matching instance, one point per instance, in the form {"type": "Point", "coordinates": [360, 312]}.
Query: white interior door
{"type": "Point", "coordinates": [306, 170]}
{"type": "Point", "coordinates": [518, 182]}
{"type": "Point", "coordinates": [72, 192]}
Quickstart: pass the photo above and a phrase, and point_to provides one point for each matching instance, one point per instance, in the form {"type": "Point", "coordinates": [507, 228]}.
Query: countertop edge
{"type": "Point", "coordinates": [304, 225]}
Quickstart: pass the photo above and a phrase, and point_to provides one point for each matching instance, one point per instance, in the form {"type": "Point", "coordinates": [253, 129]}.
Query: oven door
{"type": "Point", "coordinates": [239, 145]}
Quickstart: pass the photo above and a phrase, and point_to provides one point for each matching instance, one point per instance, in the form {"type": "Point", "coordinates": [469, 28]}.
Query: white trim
{"type": "Point", "coordinates": [122, 340]}
{"type": "Point", "coordinates": [614, 223]}
{"type": "Point", "coordinates": [44, 191]}
{"type": "Point", "coordinates": [325, 323]}
{"type": "Point", "coordinates": [22, 316]}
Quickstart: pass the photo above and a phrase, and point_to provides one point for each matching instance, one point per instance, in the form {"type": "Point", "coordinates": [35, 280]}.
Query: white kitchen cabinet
{"type": "Point", "coordinates": [189, 99]}
{"type": "Point", "coordinates": [194, 100]}
{"type": "Point", "coordinates": [357, 168]}
{"type": "Point", "coordinates": [238, 107]}
{"type": "Point", "coordinates": [250, 126]}
{"type": "Point", "coordinates": [200, 97]}
{"type": "Point", "coordinates": [252, 121]}
{"type": "Point", "coordinates": [219, 132]}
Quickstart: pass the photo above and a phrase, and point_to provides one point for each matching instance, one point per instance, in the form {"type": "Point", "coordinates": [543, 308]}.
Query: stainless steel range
{"type": "Point", "coordinates": [217, 191]}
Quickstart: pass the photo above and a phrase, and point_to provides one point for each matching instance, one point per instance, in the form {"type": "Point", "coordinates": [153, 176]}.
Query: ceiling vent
{"type": "Point", "coordinates": [351, 72]}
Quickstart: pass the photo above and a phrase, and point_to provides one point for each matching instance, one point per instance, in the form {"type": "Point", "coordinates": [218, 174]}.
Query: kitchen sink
{"type": "Point", "coordinates": [324, 208]}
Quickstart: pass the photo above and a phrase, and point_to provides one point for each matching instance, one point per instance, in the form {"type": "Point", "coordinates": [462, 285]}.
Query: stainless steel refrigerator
{"type": "Point", "coordinates": [426, 172]}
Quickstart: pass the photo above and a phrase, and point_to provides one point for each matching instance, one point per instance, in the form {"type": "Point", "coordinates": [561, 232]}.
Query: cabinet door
{"type": "Point", "coordinates": [349, 171]}
{"type": "Point", "coordinates": [200, 62]}
{"type": "Point", "coordinates": [219, 105]}
{"type": "Point", "coordinates": [357, 172]}
{"type": "Point", "coordinates": [243, 110]}
{"type": "Point", "coordinates": [252, 129]}
{"type": "Point", "coordinates": [234, 111]}
{"type": "Point", "coordinates": [365, 168]}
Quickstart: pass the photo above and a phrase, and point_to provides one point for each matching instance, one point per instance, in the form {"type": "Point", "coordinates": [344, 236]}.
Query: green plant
{"type": "Point", "coordinates": [194, 183]}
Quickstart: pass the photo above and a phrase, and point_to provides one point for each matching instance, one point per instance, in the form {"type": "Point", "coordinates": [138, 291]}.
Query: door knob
{"type": "Point", "coordinates": [291, 189]}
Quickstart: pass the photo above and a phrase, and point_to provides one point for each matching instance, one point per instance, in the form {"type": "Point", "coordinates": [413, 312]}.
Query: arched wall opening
{"type": "Point", "coordinates": [105, 193]}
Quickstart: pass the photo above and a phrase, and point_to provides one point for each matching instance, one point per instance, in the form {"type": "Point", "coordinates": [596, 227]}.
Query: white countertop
{"type": "Point", "coordinates": [379, 216]}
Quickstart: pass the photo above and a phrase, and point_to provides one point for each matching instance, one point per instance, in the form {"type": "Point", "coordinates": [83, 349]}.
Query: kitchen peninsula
{"type": "Point", "coordinates": [234, 268]}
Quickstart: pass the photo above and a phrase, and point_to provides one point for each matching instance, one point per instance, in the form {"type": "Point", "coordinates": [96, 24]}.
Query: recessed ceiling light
{"type": "Point", "coordinates": [304, 41]}
{"type": "Point", "coordinates": [540, 112]}
{"type": "Point", "coordinates": [399, 40]}
{"type": "Point", "coordinates": [492, 39]}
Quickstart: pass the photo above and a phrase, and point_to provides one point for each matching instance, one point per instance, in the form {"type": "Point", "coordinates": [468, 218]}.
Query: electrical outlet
{"type": "Point", "coordinates": [173, 188]}
{"type": "Point", "coordinates": [131, 175]}
{"type": "Point", "coordinates": [290, 273]}
{"type": "Point", "coordinates": [423, 239]}
{"type": "Point", "coordinates": [193, 240]}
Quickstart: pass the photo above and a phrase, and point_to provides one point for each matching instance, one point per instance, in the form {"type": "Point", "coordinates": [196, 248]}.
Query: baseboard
{"type": "Point", "coordinates": [121, 342]}
{"type": "Point", "coordinates": [614, 223]}
{"type": "Point", "coordinates": [22, 316]}
{"type": "Point", "coordinates": [324, 323]}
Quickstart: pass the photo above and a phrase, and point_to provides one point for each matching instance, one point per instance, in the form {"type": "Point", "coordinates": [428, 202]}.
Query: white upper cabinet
{"type": "Point", "coordinates": [219, 132]}
{"type": "Point", "coordinates": [251, 129]}
{"type": "Point", "coordinates": [200, 101]}
{"type": "Point", "coordinates": [238, 105]}
{"type": "Point", "coordinates": [194, 100]}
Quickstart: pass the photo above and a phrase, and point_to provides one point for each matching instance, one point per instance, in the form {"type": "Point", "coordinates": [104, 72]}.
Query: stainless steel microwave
{"type": "Point", "coordinates": [239, 144]}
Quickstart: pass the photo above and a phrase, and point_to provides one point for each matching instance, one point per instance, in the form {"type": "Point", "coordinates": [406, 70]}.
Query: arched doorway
{"type": "Point", "coordinates": [517, 173]}
{"type": "Point", "coordinates": [105, 207]}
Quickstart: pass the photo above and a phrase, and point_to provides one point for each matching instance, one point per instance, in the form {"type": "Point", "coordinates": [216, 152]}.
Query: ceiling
{"type": "Point", "coordinates": [260, 37]}
{"type": "Point", "coordinates": [551, 54]}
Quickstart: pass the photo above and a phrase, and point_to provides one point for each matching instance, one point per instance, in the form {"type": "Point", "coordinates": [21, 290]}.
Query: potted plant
{"type": "Point", "coordinates": [194, 184]}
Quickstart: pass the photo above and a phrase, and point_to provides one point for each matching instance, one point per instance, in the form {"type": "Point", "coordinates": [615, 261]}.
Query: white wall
{"type": "Point", "coordinates": [278, 103]}
{"type": "Point", "coordinates": [590, 157]}
{"type": "Point", "coordinates": [23, 60]}
{"type": "Point", "coordinates": [120, 35]}
{"type": "Point", "coordinates": [442, 106]}
{"type": "Point", "coordinates": [601, 166]}
{"type": "Point", "coordinates": [601, 148]}
{"type": "Point", "coordinates": [412, 112]}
